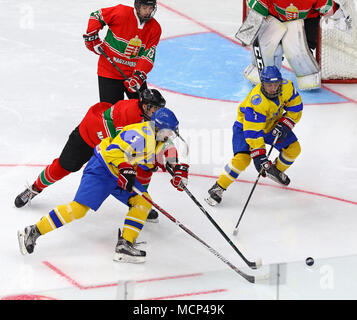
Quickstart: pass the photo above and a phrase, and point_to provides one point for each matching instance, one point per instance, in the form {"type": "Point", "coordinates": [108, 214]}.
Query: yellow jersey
{"type": "Point", "coordinates": [258, 115]}
{"type": "Point", "coordinates": [135, 144]}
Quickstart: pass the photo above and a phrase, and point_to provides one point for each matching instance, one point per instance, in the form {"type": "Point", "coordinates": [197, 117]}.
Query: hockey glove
{"type": "Point", "coordinates": [134, 83]}
{"type": "Point", "coordinates": [92, 41]}
{"type": "Point", "coordinates": [168, 155]}
{"type": "Point", "coordinates": [180, 177]}
{"type": "Point", "coordinates": [342, 19]}
{"type": "Point", "coordinates": [127, 175]}
{"type": "Point", "coordinates": [283, 128]}
{"type": "Point", "coordinates": [261, 161]}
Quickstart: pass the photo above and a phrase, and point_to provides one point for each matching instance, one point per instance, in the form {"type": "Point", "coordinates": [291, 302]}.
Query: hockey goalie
{"type": "Point", "coordinates": [288, 28]}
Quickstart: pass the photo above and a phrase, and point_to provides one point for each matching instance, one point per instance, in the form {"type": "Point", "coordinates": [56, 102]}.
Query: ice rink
{"type": "Point", "coordinates": [48, 82]}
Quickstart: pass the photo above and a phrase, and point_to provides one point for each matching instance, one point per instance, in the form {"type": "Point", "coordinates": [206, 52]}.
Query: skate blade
{"type": "Point", "coordinates": [275, 179]}
{"type": "Point", "coordinates": [20, 238]}
{"type": "Point", "coordinates": [119, 257]}
{"type": "Point", "coordinates": [211, 201]}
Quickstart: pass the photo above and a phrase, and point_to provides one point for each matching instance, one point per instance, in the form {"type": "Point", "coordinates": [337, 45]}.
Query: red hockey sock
{"type": "Point", "coordinates": [50, 175]}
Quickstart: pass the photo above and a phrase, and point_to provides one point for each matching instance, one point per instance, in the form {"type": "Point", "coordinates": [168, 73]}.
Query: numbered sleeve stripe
{"type": "Point", "coordinates": [253, 116]}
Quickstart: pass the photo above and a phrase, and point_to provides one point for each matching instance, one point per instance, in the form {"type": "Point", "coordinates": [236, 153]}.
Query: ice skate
{"type": "Point", "coordinates": [153, 216]}
{"type": "Point", "coordinates": [27, 239]}
{"type": "Point", "coordinates": [277, 175]}
{"type": "Point", "coordinates": [26, 196]}
{"type": "Point", "coordinates": [126, 252]}
{"type": "Point", "coordinates": [215, 195]}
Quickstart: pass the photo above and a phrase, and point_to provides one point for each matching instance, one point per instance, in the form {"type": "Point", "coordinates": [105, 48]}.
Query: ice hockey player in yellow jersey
{"type": "Point", "coordinates": [272, 108]}
{"type": "Point", "coordinates": [112, 171]}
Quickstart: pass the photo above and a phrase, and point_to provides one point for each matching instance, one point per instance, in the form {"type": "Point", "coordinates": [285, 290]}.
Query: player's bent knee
{"type": "Point", "coordinates": [78, 210]}
{"type": "Point", "coordinates": [140, 203]}
{"type": "Point", "coordinates": [71, 165]}
{"type": "Point", "coordinates": [241, 161]}
{"type": "Point", "coordinates": [293, 150]}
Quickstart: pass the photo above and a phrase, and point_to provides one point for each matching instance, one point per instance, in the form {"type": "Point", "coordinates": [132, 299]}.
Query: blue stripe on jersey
{"type": "Point", "coordinates": [296, 108]}
{"type": "Point", "coordinates": [112, 146]}
{"type": "Point", "coordinates": [135, 224]}
{"type": "Point", "coordinates": [295, 94]}
{"type": "Point", "coordinates": [55, 219]}
{"type": "Point", "coordinates": [288, 163]}
{"type": "Point", "coordinates": [251, 134]}
{"type": "Point", "coordinates": [253, 116]}
{"type": "Point", "coordinates": [231, 172]}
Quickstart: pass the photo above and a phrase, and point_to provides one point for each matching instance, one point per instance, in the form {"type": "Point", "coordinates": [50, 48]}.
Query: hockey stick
{"type": "Point", "coordinates": [255, 184]}
{"type": "Point", "coordinates": [258, 54]}
{"type": "Point", "coordinates": [250, 278]}
{"type": "Point", "coordinates": [251, 264]}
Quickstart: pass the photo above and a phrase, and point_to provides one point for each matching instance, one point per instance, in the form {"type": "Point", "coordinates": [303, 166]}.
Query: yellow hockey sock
{"type": "Point", "coordinates": [61, 215]}
{"type": "Point", "coordinates": [233, 169]}
{"type": "Point", "coordinates": [287, 156]}
{"type": "Point", "coordinates": [136, 217]}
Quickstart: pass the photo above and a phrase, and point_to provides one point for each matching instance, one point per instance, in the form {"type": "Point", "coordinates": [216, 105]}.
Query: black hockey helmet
{"type": "Point", "coordinates": [152, 98]}
{"type": "Point", "coordinates": [139, 3]}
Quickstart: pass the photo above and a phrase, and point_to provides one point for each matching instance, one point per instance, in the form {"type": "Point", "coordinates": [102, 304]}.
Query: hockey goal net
{"type": "Point", "coordinates": [337, 50]}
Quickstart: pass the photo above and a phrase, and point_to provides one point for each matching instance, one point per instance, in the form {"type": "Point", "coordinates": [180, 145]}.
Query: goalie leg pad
{"type": "Point", "coordinates": [297, 52]}
{"type": "Point", "coordinates": [270, 51]}
{"type": "Point", "coordinates": [309, 82]}
{"type": "Point", "coordinates": [251, 73]}
{"type": "Point", "coordinates": [269, 38]}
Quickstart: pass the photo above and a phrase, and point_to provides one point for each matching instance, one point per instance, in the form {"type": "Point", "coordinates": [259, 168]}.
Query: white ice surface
{"type": "Point", "coordinates": [48, 81]}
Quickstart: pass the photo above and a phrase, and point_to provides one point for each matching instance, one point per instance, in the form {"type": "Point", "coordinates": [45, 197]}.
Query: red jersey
{"type": "Point", "coordinates": [129, 43]}
{"type": "Point", "coordinates": [286, 10]}
{"type": "Point", "coordinates": [105, 120]}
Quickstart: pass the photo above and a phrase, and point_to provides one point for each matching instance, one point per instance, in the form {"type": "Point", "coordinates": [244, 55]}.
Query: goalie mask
{"type": "Point", "coordinates": [145, 9]}
{"type": "Point", "coordinates": [271, 82]}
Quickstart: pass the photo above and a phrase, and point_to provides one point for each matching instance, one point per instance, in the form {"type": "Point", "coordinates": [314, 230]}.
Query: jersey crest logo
{"type": "Point", "coordinates": [292, 13]}
{"type": "Point", "coordinates": [133, 47]}
{"type": "Point", "coordinates": [256, 99]}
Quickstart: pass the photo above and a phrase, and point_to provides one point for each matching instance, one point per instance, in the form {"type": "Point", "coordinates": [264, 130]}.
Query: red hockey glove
{"type": "Point", "coordinates": [127, 175]}
{"type": "Point", "coordinates": [92, 41]}
{"type": "Point", "coordinates": [180, 177]}
{"type": "Point", "coordinates": [134, 83]}
{"type": "Point", "coordinates": [261, 162]}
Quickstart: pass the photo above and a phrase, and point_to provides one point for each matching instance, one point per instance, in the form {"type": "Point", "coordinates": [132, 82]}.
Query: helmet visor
{"type": "Point", "coordinates": [165, 135]}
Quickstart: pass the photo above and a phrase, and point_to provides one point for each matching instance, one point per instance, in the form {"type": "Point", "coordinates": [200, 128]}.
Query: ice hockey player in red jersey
{"type": "Point", "coordinates": [288, 27]}
{"type": "Point", "coordinates": [101, 121]}
{"type": "Point", "coordinates": [130, 42]}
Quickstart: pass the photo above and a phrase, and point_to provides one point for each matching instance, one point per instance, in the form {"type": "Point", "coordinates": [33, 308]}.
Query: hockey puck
{"type": "Point", "coordinates": [309, 261]}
